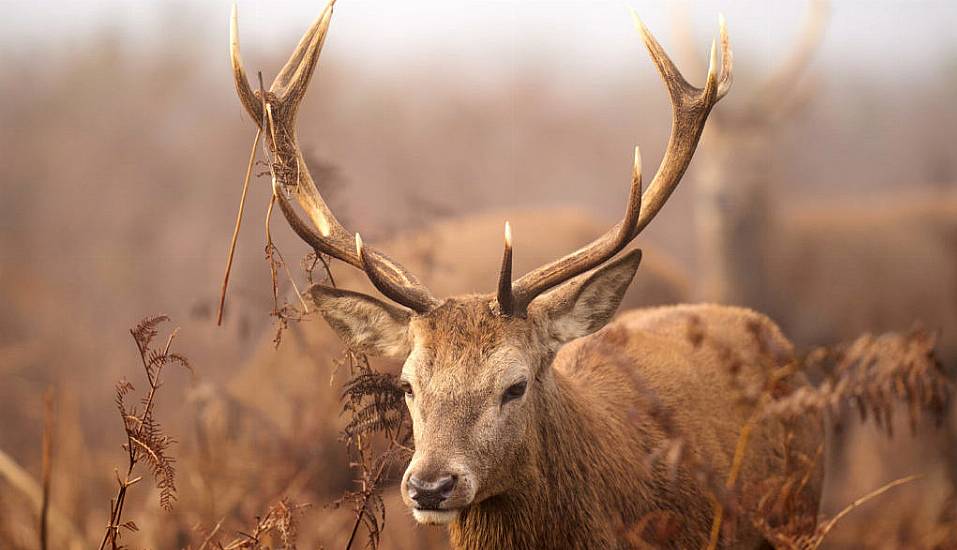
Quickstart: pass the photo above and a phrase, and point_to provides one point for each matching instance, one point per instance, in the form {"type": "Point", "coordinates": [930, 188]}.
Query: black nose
{"type": "Point", "coordinates": [429, 494]}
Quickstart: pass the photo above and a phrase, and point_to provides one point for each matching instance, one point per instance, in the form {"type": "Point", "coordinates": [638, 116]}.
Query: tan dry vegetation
{"type": "Point", "coordinates": [118, 192]}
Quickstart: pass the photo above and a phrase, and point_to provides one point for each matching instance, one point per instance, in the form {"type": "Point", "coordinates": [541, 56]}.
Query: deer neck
{"type": "Point", "coordinates": [733, 231]}
{"type": "Point", "coordinates": [555, 497]}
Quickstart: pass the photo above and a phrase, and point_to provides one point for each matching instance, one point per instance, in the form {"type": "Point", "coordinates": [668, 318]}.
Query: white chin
{"type": "Point", "coordinates": [434, 517]}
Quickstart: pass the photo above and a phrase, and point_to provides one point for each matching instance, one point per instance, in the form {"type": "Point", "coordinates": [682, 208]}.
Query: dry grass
{"type": "Point", "coordinates": [877, 375]}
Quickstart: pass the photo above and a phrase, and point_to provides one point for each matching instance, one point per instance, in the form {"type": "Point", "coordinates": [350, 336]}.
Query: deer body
{"type": "Point", "coordinates": [582, 482]}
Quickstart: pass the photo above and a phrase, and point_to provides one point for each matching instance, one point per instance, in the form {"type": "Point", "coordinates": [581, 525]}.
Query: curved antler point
{"type": "Point", "coordinates": [636, 167]}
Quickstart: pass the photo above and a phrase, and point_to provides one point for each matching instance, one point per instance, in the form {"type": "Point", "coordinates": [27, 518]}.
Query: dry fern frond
{"type": "Point", "coordinates": [376, 406]}
{"type": "Point", "coordinates": [277, 528]}
{"type": "Point", "coordinates": [145, 438]}
{"type": "Point", "coordinates": [875, 373]}
{"type": "Point", "coordinates": [146, 330]}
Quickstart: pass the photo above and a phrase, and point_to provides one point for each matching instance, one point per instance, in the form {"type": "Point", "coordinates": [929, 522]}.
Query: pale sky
{"type": "Point", "coordinates": [893, 38]}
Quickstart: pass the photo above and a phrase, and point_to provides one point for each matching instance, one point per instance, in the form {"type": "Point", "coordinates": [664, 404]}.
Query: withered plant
{"type": "Point", "coordinates": [146, 442]}
{"type": "Point", "coordinates": [875, 374]}
{"type": "Point", "coordinates": [276, 529]}
{"type": "Point", "coordinates": [375, 405]}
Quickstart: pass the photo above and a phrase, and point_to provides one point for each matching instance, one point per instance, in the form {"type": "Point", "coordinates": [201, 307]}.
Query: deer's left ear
{"type": "Point", "coordinates": [586, 303]}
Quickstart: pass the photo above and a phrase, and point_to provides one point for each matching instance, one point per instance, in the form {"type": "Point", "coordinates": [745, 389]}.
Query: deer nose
{"type": "Point", "coordinates": [429, 494]}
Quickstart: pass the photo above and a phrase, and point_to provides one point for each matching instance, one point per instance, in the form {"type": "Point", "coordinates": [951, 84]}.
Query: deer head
{"type": "Point", "coordinates": [476, 367]}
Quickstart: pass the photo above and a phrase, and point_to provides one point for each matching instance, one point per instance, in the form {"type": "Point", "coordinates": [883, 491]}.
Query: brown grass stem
{"type": "Point", "coordinates": [47, 468]}
{"type": "Point", "coordinates": [239, 222]}
{"type": "Point", "coordinates": [857, 503]}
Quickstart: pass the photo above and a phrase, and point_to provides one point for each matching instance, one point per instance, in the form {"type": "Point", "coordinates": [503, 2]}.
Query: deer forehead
{"type": "Point", "coordinates": [464, 345]}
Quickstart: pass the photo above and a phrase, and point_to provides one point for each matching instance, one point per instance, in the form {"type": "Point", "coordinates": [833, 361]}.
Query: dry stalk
{"type": "Point", "coordinates": [145, 440]}
{"type": "Point", "coordinates": [285, 312]}
{"type": "Point", "coordinates": [814, 539]}
{"type": "Point", "coordinates": [47, 467]}
{"type": "Point", "coordinates": [239, 221]}
{"type": "Point", "coordinates": [826, 528]}
{"type": "Point", "coordinates": [24, 483]}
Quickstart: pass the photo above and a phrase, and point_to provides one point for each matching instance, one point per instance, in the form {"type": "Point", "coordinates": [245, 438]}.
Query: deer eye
{"type": "Point", "coordinates": [514, 391]}
{"type": "Point", "coordinates": [406, 388]}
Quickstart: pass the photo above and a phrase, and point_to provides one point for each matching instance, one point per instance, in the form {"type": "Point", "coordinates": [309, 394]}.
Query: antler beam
{"type": "Point", "coordinates": [275, 112]}
{"type": "Point", "coordinates": [691, 107]}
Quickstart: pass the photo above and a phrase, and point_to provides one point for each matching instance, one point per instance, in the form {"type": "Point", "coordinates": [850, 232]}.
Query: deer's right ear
{"type": "Point", "coordinates": [365, 324]}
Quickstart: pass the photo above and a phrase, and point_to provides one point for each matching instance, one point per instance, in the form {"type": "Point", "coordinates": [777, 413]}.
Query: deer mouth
{"type": "Point", "coordinates": [434, 517]}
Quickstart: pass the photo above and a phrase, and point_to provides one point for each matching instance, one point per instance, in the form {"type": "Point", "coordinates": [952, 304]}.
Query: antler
{"type": "Point", "coordinates": [781, 92]}
{"type": "Point", "coordinates": [275, 114]}
{"type": "Point", "coordinates": [691, 107]}
{"type": "Point", "coordinates": [779, 95]}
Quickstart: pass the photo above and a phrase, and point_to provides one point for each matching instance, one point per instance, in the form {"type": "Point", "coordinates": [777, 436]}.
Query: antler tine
{"type": "Point", "coordinates": [686, 44]}
{"type": "Point", "coordinates": [727, 59]}
{"type": "Point", "coordinates": [779, 95]}
{"type": "Point", "coordinates": [291, 175]}
{"type": "Point", "coordinates": [293, 79]}
{"type": "Point", "coordinates": [319, 26]}
{"type": "Point", "coordinates": [393, 285]}
{"type": "Point", "coordinates": [505, 301]}
{"type": "Point", "coordinates": [250, 102]}
{"type": "Point", "coordinates": [612, 242]}
{"type": "Point", "coordinates": [691, 107]}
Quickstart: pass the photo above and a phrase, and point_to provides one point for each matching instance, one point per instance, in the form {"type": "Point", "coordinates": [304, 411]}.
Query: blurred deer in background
{"type": "Point", "coordinates": [521, 441]}
{"type": "Point", "coordinates": [825, 272]}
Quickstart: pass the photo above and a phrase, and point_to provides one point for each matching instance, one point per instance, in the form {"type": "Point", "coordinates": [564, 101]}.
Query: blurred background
{"type": "Point", "coordinates": [823, 193]}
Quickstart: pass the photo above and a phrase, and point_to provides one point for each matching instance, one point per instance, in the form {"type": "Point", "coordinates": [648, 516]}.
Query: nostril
{"type": "Point", "coordinates": [446, 485]}
{"type": "Point", "coordinates": [429, 494]}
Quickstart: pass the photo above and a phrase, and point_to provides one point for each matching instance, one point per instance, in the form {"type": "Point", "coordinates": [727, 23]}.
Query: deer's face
{"type": "Point", "coordinates": [469, 380]}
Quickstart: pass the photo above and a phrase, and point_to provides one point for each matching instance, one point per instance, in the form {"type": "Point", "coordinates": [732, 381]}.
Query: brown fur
{"type": "Point", "coordinates": [579, 480]}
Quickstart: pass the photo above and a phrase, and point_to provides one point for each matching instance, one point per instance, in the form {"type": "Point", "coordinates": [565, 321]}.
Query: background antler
{"type": "Point", "coordinates": [779, 93]}
{"type": "Point", "coordinates": [690, 109]}
{"type": "Point", "coordinates": [275, 114]}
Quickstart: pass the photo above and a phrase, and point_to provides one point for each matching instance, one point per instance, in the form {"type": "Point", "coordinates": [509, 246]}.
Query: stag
{"type": "Point", "coordinates": [826, 272]}
{"type": "Point", "coordinates": [521, 440]}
